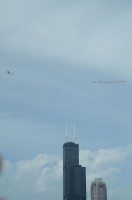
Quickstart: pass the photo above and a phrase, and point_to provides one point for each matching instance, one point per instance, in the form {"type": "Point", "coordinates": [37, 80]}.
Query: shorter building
{"type": "Point", "coordinates": [98, 190]}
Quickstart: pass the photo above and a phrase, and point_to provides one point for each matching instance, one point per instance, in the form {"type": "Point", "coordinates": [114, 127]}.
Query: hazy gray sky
{"type": "Point", "coordinates": [56, 49]}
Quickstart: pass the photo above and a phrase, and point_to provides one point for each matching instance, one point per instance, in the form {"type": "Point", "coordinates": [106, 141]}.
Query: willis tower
{"type": "Point", "coordinates": [74, 175]}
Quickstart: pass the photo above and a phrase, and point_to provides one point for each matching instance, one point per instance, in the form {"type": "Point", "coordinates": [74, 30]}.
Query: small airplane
{"type": "Point", "coordinates": [9, 72]}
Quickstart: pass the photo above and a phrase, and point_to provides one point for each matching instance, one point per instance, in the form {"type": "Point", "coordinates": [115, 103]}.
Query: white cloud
{"type": "Point", "coordinates": [103, 156]}
{"type": "Point", "coordinates": [34, 177]}
{"type": "Point", "coordinates": [104, 162]}
{"type": "Point", "coordinates": [41, 177]}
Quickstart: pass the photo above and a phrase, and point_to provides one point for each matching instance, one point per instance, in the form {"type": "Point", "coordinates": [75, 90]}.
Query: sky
{"type": "Point", "coordinates": [55, 50]}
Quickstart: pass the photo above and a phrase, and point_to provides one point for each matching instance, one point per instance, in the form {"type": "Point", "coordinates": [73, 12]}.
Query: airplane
{"type": "Point", "coordinates": [9, 72]}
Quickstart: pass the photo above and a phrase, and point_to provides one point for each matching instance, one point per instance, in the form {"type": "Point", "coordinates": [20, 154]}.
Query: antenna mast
{"type": "Point", "coordinates": [66, 134]}
{"type": "Point", "coordinates": [75, 133]}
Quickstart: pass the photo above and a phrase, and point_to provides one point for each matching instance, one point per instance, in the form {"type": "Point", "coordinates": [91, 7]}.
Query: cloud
{"type": "Point", "coordinates": [102, 156]}
{"type": "Point", "coordinates": [33, 178]}
{"type": "Point", "coordinates": [41, 177]}
{"type": "Point", "coordinates": [104, 162]}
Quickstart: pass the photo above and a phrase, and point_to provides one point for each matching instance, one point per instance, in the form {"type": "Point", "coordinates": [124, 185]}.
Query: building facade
{"type": "Point", "coordinates": [98, 190]}
{"type": "Point", "coordinates": [74, 175]}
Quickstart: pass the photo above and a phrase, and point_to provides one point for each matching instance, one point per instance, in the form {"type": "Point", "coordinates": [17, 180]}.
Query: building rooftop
{"type": "Point", "coordinates": [70, 144]}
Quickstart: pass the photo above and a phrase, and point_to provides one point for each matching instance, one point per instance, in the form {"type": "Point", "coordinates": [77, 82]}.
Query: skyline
{"type": "Point", "coordinates": [55, 50]}
{"type": "Point", "coordinates": [43, 171]}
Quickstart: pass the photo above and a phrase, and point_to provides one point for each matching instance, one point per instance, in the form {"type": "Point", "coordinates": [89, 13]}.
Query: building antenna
{"type": "Point", "coordinates": [66, 134]}
{"type": "Point", "coordinates": [75, 133]}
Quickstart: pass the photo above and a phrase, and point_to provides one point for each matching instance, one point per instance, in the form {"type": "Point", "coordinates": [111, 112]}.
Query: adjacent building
{"type": "Point", "coordinates": [74, 175]}
{"type": "Point", "coordinates": [98, 190]}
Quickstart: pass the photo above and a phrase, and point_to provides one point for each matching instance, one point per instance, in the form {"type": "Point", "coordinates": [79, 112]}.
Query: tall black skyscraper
{"type": "Point", "coordinates": [74, 176]}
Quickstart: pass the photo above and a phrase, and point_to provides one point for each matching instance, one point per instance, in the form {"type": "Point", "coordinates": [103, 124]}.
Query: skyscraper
{"type": "Point", "coordinates": [74, 175]}
{"type": "Point", "coordinates": [98, 190]}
